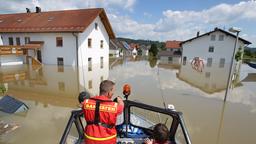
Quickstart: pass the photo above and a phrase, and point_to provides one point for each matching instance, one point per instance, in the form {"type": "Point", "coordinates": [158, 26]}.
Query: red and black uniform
{"type": "Point", "coordinates": [100, 114]}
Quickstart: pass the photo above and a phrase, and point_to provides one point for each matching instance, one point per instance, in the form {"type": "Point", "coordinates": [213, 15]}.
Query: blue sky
{"type": "Point", "coordinates": [158, 19]}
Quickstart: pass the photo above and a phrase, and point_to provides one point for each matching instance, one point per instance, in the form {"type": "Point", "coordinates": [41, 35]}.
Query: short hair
{"type": "Point", "coordinates": [106, 86]}
{"type": "Point", "coordinates": [161, 133]}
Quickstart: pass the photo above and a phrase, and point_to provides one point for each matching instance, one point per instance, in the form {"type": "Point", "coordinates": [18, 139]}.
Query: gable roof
{"type": "Point", "coordinates": [217, 29]}
{"type": "Point", "coordinates": [173, 44]}
{"type": "Point", "coordinates": [53, 21]}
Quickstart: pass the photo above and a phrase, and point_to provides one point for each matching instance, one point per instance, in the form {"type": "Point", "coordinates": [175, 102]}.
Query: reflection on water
{"type": "Point", "coordinates": [211, 79]}
{"type": "Point", "coordinates": [51, 93]}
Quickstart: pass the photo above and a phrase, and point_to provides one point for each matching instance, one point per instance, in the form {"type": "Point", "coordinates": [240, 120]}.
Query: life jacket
{"type": "Point", "coordinates": [100, 114]}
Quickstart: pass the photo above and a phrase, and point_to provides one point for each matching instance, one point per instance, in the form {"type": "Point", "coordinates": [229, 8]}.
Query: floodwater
{"type": "Point", "coordinates": [51, 93]}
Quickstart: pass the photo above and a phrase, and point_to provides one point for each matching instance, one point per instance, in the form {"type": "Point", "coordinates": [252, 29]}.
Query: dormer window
{"type": "Point", "coordinates": [96, 26]}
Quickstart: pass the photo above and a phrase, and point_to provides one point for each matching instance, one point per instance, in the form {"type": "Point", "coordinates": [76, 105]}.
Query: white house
{"type": "Point", "coordinates": [206, 59]}
{"type": "Point", "coordinates": [213, 47]}
{"type": "Point", "coordinates": [172, 54]}
{"type": "Point", "coordinates": [68, 37]}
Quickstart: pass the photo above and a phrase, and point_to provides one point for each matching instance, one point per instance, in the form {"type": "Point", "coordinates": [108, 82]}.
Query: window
{"type": "Point", "coordinates": [222, 63]}
{"type": "Point", "coordinates": [101, 79]}
{"type": "Point", "coordinates": [60, 61]}
{"type": "Point", "coordinates": [209, 62]}
{"type": "Point", "coordinates": [89, 84]}
{"type": "Point", "coordinates": [207, 74]}
{"type": "Point", "coordinates": [96, 26]}
{"type": "Point", "coordinates": [89, 42]}
{"type": "Point", "coordinates": [27, 40]}
{"type": "Point", "coordinates": [89, 64]}
{"type": "Point", "coordinates": [59, 42]}
{"type": "Point", "coordinates": [184, 60]}
{"type": "Point", "coordinates": [10, 41]}
{"type": "Point", "coordinates": [221, 37]}
{"type": "Point", "coordinates": [61, 86]}
{"type": "Point", "coordinates": [101, 62]}
{"type": "Point", "coordinates": [213, 37]}
{"type": "Point", "coordinates": [101, 44]}
{"type": "Point", "coordinates": [17, 41]}
{"type": "Point", "coordinates": [170, 59]}
{"type": "Point", "coordinates": [211, 49]}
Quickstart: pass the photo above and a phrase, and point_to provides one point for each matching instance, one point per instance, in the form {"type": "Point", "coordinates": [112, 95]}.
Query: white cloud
{"type": "Point", "coordinates": [179, 25]}
{"type": "Point", "coordinates": [20, 5]}
{"type": "Point", "coordinates": [217, 16]}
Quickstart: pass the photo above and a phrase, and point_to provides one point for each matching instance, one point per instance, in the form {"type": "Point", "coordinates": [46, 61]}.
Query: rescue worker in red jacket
{"type": "Point", "coordinates": [100, 113]}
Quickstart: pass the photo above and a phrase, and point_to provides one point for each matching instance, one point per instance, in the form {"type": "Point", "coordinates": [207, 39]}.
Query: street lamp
{"type": "Point", "coordinates": [234, 30]}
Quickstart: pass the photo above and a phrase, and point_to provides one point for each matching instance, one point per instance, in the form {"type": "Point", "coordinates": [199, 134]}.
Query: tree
{"type": "Point", "coordinates": [238, 55]}
{"type": "Point", "coordinates": [2, 89]}
{"type": "Point", "coordinates": [153, 49]}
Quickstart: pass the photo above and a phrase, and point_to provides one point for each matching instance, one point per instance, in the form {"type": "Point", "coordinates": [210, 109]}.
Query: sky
{"type": "Point", "coordinates": [158, 19]}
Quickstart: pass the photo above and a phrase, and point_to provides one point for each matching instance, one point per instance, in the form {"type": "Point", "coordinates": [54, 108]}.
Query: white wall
{"type": "Point", "coordinates": [199, 48]}
{"type": "Point", "coordinates": [95, 52]}
{"type": "Point", "coordinates": [49, 50]}
{"type": "Point", "coordinates": [165, 60]}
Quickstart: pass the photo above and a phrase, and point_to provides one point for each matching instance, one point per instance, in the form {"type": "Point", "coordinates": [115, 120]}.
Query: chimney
{"type": "Point", "coordinates": [38, 9]}
{"type": "Point", "coordinates": [28, 10]}
{"type": "Point", "coordinates": [197, 34]}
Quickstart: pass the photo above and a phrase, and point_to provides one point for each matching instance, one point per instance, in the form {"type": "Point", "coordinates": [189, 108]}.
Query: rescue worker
{"type": "Point", "coordinates": [100, 113]}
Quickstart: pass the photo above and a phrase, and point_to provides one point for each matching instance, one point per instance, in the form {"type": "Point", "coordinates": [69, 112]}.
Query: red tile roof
{"type": "Point", "coordinates": [173, 44]}
{"type": "Point", "coordinates": [53, 21]}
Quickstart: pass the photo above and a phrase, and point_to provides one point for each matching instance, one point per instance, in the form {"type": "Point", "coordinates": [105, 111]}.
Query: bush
{"type": "Point", "coordinates": [2, 89]}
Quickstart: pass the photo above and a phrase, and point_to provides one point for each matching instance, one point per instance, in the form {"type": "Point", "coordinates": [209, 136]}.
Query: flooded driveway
{"type": "Point", "coordinates": [51, 93]}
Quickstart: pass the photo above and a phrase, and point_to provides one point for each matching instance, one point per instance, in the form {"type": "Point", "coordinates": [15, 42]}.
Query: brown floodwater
{"type": "Point", "coordinates": [51, 93]}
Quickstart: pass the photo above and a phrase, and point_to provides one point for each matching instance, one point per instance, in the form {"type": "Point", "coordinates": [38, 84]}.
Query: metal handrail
{"type": "Point", "coordinates": [76, 116]}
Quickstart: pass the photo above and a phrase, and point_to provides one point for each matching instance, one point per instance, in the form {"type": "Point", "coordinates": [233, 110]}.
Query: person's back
{"type": "Point", "coordinates": [101, 114]}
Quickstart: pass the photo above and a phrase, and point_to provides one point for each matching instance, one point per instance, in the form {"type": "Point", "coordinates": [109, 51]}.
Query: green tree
{"type": "Point", "coordinates": [238, 55]}
{"type": "Point", "coordinates": [153, 49]}
{"type": "Point", "coordinates": [2, 89]}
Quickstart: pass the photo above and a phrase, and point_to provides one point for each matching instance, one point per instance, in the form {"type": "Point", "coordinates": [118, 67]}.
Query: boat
{"type": "Point", "coordinates": [132, 126]}
{"type": "Point", "coordinates": [251, 64]}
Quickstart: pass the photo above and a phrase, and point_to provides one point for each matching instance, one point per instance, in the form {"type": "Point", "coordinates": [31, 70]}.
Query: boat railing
{"type": "Point", "coordinates": [77, 115]}
{"type": "Point", "coordinates": [75, 118]}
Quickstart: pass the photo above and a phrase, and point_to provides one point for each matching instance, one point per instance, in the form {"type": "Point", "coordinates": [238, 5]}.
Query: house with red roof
{"type": "Point", "coordinates": [172, 54]}
{"type": "Point", "coordinates": [67, 37]}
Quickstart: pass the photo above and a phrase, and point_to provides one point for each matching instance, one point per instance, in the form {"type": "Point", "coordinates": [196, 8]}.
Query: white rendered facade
{"type": "Point", "coordinates": [50, 52]}
{"type": "Point", "coordinates": [199, 47]}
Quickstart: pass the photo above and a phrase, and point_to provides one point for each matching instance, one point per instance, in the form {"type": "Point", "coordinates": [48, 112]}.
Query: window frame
{"type": "Point", "coordinates": [101, 44]}
{"type": "Point", "coordinates": [211, 49]}
{"type": "Point", "coordinates": [101, 62]}
{"type": "Point", "coordinates": [26, 40]}
{"type": "Point", "coordinates": [59, 41]}
{"type": "Point", "coordinates": [209, 62]}
{"type": "Point", "coordinates": [10, 40]}
{"type": "Point", "coordinates": [89, 64]}
{"type": "Point", "coordinates": [17, 40]}
{"type": "Point", "coordinates": [89, 42]}
{"type": "Point", "coordinates": [59, 59]}
{"type": "Point", "coordinates": [213, 37]}
{"type": "Point", "coordinates": [221, 37]}
{"type": "Point", "coordinates": [222, 63]}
